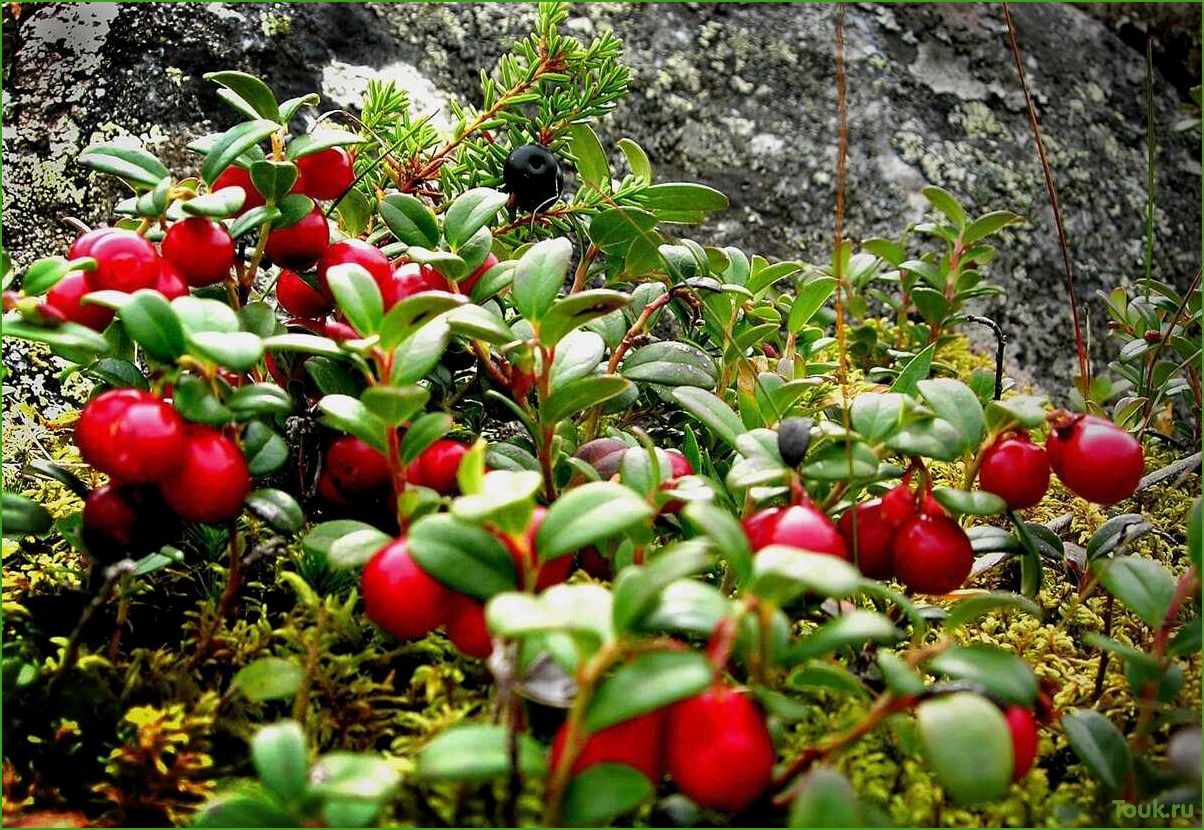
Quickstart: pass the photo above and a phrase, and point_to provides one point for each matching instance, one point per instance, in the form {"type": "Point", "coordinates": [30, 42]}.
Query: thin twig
{"type": "Point", "coordinates": [1001, 342]}
{"type": "Point", "coordinates": [1166, 336]}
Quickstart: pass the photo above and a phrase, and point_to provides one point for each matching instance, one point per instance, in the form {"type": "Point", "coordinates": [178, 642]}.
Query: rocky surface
{"type": "Point", "coordinates": [739, 96]}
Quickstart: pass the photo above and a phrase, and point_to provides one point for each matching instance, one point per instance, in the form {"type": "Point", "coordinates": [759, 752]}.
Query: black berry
{"type": "Point", "coordinates": [533, 178]}
{"type": "Point", "coordinates": [794, 434]}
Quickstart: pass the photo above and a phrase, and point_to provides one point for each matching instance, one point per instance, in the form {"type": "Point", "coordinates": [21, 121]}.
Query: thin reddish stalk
{"type": "Point", "coordinates": [1081, 349]}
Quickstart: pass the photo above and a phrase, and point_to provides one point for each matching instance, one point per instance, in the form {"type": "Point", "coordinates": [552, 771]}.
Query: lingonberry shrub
{"type": "Point", "coordinates": [680, 530]}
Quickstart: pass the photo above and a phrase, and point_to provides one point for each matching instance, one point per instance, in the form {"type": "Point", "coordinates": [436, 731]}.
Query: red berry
{"type": "Point", "coordinates": [437, 465]}
{"type": "Point", "coordinates": [400, 597]}
{"type": "Point", "coordinates": [299, 298]}
{"type": "Point", "coordinates": [466, 627]}
{"type": "Point", "coordinates": [898, 505]}
{"type": "Point", "coordinates": [719, 751]}
{"type": "Point", "coordinates": [125, 262]}
{"type": "Point", "coordinates": [326, 174]}
{"type": "Point", "coordinates": [170, 284]}
{"type": "Point", "coordinates": [83, 244]}
{"type": "Point", "coordinates": [1023, 727]}
{"type": "Point", "coordinates": [1097, 460]}
{"type": "Point", "coordinates": [871, 538]}
{"type": "Point", "coordinates": [552, 572]}
{"type": "Point", "coordinates": [201, 250]}
{"type": "Point", "coordinates": [679, 465]}
{"type": "Point", "coordinates": [465, 285]}
{"type": "Point", "coordinates": [932, 555]}
{"type": "Point", "coordinates": [360, 253]}
{"type": "Point", "coordinates": [124, 520]}
{"type": "Point", "coordinates": [132, 436]}
{"type": "Point", "coordinates": [212, 482]}
{"type": "Point", "coordinates": [638, 743]}
{"type": "Point", "coordinates": [65, 298]}
{"type": "Point", "coordinates": [1016, 470]}
{"type": "Point", "coordinates": [355, 466]}
{"type": "Point", "coordinates": [799, 525]}
{"type": "Point", "coordinates": [234, 176]}
{"type": "Point", "coordinates": [410, 279]}
{"type": "Point", "coordinates": [603, 454]}
{"type": "Point", "coordinates": [339, 331]}
{"type": "Point", "coordinates": [301, 244]}
{"type": "Point", "coordinates": [329, 491]}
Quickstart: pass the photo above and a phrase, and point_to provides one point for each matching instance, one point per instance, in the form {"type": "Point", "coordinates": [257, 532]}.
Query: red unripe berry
{"type": "Point", "coordinates": [65, 298]}
{"type": "Point", "coordinates": [410, 279]}
{"type": "Point", "coordinates": [124, 262]}
{"type": "Point", "coordinates": [595, 564]}
{"type": "Point", "coordinates": [358, 252]}
{"type": "Point", "coordinates": [1023, 727]}
{"type": "Point", "coordinates": [83, 244]}
{"type": "Point", "coordinates": [234, 176]}
{"type": "Point", "coordinates": [339, 331]}
{"type": "Point", "coordinates": [638, 743]}
{"type": "Point", "coordinates": [718, 749]}
{"type": "Point", "coordinates": [326, 174]}
{"type": "Point", "coordinates": [201, 249]}
{"type": "Point", "coordinates": [212, 482]}
{"type": "Point", "coordinates": [466, 626]}
{"type": "Point", "coordinates": [932, 555]}
{"type": "Point", "coordinates": [132, 436]}
{"type": "Point", "coordinates": [552, 572]}
{"type": "Point", "coordinates": [355, 466]}
{"type": "Point", "coordinates": [299, 298]}
{"type": "Point", "coordinates": [1096, 460]}
{"type": "Point", "coordinates": [679, 465]}
{"type": "Point", "coordinates": [301, 244]}
{"type": "Point", "coordinates": [898, 505]}
{"type": "Point", "coordinates": [798, 525]}
{"type": "Point", "coordinates": [170, 283]}
{"type": "Point", "coordinates": [1016, 470]}
{"type": "Point", "coordinates": [437, 465]}
{"type": "Point", "coordinates": [870, 539]}
{"type": "Point", "coordinates": [465, 285]}
{"type": "Point", "coordinates": [400, 597]}
{"type": "Point", "coordinates": [329, 491]}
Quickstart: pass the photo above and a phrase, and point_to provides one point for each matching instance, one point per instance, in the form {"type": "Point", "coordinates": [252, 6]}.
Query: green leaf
{"type": "Point", "coordinates": [898, 675]}
{"type": "Point", "coordinates": [915, 371]}
{"type": "Point", "coordinates": [852, 628]}
{"type": "Point", "coordinates": [237, 351]}
{"type": "Point", "coordinates": [477, 752]}
{"type": "Point", "coordinates": [478, 323]}
{"type": "Point", "coordinates": [988, 224]}
{"type": "Point", "coordinates": [197, 314]}
{"type": "Point", "coordinates": [151, 323]}
{"type": "Point", "coordinates": [24, 517]}
{"type": "Point", "coordinates": [395, 404]}
{"type": "Point", "coordinates": [353, 775]}
{"type": "Point", "coordinates": [321, 538]}
{"type": "Point", "coordinates": [253, 218]}
{"type": "Point", "coordinates": [462, 556]}
{"type": "Point", "coordinates": [647, 682]}
{"type": "Point", "coordinates": [943, 201]}
{"type": "Point", "coordinates": [44, 274]}
{"type": "Point", "coordinates": [293, 208]}
{"type": "Point", "coordinates": [717, 416]}
{"type": "Point", "coordinates": [1001, 673]}
{"type": "Point", "coordinates": [725, 533]}
{"type": "Point", "coordinates": [355, 549]}
{"type": "Point", "coordinates": [576, 310]}
{"type": "Point", "coordinates": [1099, 745]}
{"type": "Point", "coordinates": [319, 140]}
{"type": "Point", "coordinates": [419, 353]}
{"type": "Point", "coordinates": [671, 363]}
{"type": "Point", "coordinates": [195, 400]}
{"type": "Point", "coordinates": [577, 356]}
{"type": "Point", "coordinates": [232, 144]}
{"type": "Point", "coordinates": [278, 509]}
{"type": "Point", "coordinates": [580, 395]}
{"type": "Point", "coordinates": [281, 759]}
{"type": "Point", "coordinates": [357, 295]}
{"type": "Point", "coordinates": [974, 607]}
{"type": "Point", "coordinates": [602, 793]}
{"type": "Point", "coordinates": [305, 344]}
{"type": "Point", "coordinates": [586, 515]}
{"type": "Point", "coordinates": [263, 448]}
{"type": "Point", "coordinates": [254, 98]}
{"type": "Point", "coordinates": [241, 810]}
{"type": "Point", "coordinates": [219, 204]}
{"type": "Point", "coordinates": [688, 196]}
{"type": "Point", "coordinates": [274, 179]}
{"type": "Point", "coordinates": [637, 159]}
{"type": "Point", "coordinates": [974, 503]}
{"type": "Point", "coordinates": [349, 415]}
{"type": "Point", "coordinates": [412, 313]}
{"type": "Point", "coordinates": [69, 336]}
{"type": "Point", "coordinates": [425, 431]}
{"type": "Point", "coordinates": [1118, 530]}
{"type": "Point", "coordinates": [268, 678]}
{"type": "Point", "coordinates": [932, 438]}
{"type": "Point", "coordinates": [953, 401]}
{"type": "Point", "coordinates": [687, 606]}
{"type": "Point", "coordinates": [781, 573]}
{"type": "Point", "coordinates": [810, 299]}
{"type": "Point", "coordinates": [825, 798]}
{"type": "Point", "coordinates": [968, 746]}
{"type": "Point", "coordinates": [354, 212]}
{"type": "Point", "coordinates": [638, 587]}
{"type": "Point", "coordinates": [410, 220]}
{"type": "Point", "coordinates": [503, 493]}
{"type": "Point", "coordinates": [835, 462]}
{"type": "Point", "coordinates": [1142, 585]}
{"type": "Point", "coordinates": [133, 165]}
{"type": "Point", "coordinates": [539, 275]}
{"type": "Point", "coordinates": [589, 155]}
{"type": "Point", "coordinates": [471, 211]}
{"type": "Point", "coordinates": [259, 399]}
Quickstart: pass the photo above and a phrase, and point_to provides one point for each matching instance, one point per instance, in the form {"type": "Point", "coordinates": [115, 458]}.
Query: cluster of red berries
{"type": "Point", "coordinates": [715, 747]}
{"type": "Point", "coordinates": [153, 458]}
{"type": "Point", "coordinates": [354, 468]}
{"type": "Point", "coordinates": [605, 455]}
{"type": "Point", "coordinates": [1095, 459]}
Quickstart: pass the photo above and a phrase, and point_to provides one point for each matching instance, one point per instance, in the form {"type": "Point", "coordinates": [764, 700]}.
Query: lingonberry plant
{"type": "Point", "coordinates": [685, 532]}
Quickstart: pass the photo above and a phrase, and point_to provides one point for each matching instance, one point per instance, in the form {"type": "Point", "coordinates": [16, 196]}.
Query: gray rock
{"type": "Point", "coordinates": [738, 96]}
